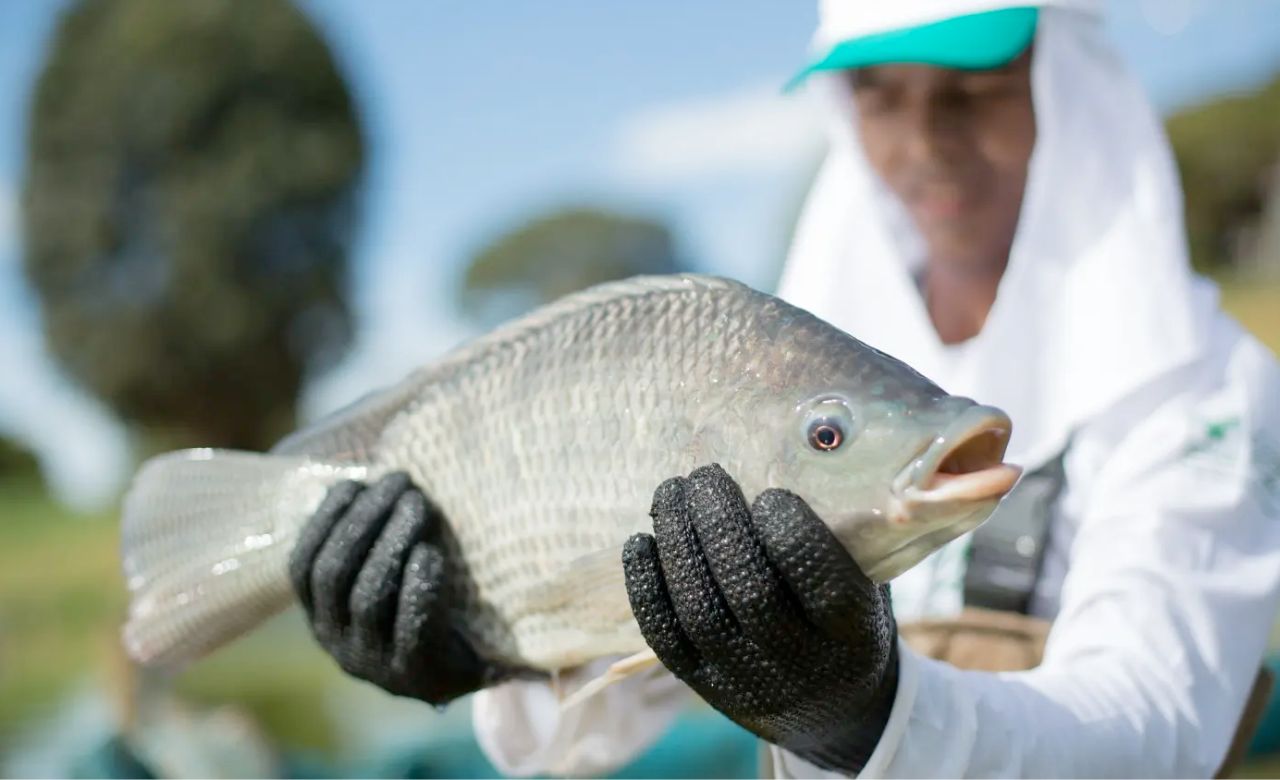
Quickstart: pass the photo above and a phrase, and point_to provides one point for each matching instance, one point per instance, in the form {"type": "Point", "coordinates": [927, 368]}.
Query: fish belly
{"type": "Point", "coordinates": [537, 518]}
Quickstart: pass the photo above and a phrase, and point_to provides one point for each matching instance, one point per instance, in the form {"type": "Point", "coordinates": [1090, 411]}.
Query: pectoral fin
{"type": "Point", "coordinates": [621, 670]}
{"type": "Point", "coordinates": [597, 577]}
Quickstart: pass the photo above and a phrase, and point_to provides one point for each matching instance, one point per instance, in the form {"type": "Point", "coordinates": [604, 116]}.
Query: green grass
{"type": "Point", "coordinates": [279, 676]}
{"type": "Point", "coordinates": [62, 600]}
{"type": "Point", "coordinates": [61, 595]}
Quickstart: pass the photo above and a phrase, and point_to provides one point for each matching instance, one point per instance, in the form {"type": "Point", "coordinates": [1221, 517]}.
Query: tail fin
{"type": "Point", "coordinates": [205, 540]}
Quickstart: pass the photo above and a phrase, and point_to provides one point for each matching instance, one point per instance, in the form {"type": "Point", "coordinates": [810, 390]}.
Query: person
{"type": "Point", "coordinates": [998, 208]}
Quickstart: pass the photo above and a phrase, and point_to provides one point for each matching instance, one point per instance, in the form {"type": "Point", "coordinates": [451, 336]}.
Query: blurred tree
{"type": "Point", "coordinates": [560, 253]}
{"type": "Point", "coordinates": [16, 461]}
{"type": "Point", "coordinates": [188, 208]}
{"type": "Point", "coordinates": [1227, 152]}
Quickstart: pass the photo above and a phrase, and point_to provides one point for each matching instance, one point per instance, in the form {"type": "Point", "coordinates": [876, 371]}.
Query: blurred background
{"type": "Point", "coordinates": [219, 220]}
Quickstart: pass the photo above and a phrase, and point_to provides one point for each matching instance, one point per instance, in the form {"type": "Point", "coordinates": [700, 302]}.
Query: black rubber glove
{"type": "Point", "coordinates": [765, 616]}
{"type": "Point", "coordinates": [371, 574]}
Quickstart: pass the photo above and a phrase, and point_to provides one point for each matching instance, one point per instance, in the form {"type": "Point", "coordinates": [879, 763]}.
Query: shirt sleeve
{"type": "Point", "coordinates": [1165, 612]}
{"type": "Point", "coordinates": [521, 729]}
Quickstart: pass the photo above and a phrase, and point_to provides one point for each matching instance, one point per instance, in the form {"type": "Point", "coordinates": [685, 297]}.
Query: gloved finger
{"type": "Point", "coordinates": [344, 552]}
{"type": "Point", "coordinates": [828, 584]}
{"type": "Point", "coordinates": [376, 592]}
{"type": "Point", "coordinates": [699, 605]}
{"type": "Point", "coordinates": [751, 586]}
{"type": "Point", "coordinates": [422, 613]}
{"type": "Point", "coordinates": [313, 536]}
{"type": "Point", "coordinates": [652, 607]}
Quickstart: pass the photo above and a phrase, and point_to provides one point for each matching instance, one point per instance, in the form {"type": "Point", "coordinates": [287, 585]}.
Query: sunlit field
{"type": "Point", "coordinates": [1257, 307]}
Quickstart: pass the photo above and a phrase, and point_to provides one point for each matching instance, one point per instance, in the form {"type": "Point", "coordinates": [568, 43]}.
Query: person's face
{"type": "Point", "coordinates": [953, 145]}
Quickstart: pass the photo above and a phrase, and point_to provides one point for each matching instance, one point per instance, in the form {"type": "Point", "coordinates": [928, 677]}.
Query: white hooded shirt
{"type": "Point", "coordinates": [1162, 575]}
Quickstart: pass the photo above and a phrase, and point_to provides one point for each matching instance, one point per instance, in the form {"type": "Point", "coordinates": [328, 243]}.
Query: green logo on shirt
{"type": "Point", "coordinates": [1211, 450]}
{"type": "Point", "coordinates": [1215, 435]}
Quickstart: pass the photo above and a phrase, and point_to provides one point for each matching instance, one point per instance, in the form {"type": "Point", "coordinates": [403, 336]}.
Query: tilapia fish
{"type": "Point", "coordinates": [543, 442]}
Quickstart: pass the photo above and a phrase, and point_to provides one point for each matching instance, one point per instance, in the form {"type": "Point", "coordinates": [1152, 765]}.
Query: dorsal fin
{"type": "Point", "coordinates": [351, 434]}
{"type": "Point", "coordinates": [572, 303]}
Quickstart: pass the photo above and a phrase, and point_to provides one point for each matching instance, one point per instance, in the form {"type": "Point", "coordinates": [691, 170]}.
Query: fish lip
{"type": "Point", "coordinates": [913, 485]}
{"type": "Point", "coordinates": [890, 564]}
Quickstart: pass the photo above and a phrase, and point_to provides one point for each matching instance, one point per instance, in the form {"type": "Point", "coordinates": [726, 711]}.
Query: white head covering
{"type": "Point", "coordinates": [1098, 297]}
{"type": "Point", "coordinates": [842, 20]}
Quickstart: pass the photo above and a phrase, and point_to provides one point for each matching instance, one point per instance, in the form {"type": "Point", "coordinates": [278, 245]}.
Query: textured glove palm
{"type": "Point", "coordinates": [370, 571]}
{"type": "Point", "coordinates": [763, 614]}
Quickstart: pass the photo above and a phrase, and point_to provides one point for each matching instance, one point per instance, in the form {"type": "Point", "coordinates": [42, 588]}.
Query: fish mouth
{"type": "Point", "coordinates": [963, 463]}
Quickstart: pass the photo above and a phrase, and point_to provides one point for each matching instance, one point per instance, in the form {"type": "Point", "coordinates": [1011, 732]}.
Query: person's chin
{"type": "Point", "coordinates": [950, 231]}
{"type": "Point", "coordinates": [956, 242]}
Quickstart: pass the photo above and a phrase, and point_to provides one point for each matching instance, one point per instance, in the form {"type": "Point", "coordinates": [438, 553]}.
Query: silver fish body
{"type": "Point", "coordinates": [542, 444]}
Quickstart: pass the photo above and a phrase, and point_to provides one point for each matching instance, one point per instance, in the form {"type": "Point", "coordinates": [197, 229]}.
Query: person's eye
{"type": "Point", "coordinates": [870, 92]}
{"type": "Point", "coordinates": [873, 99]}
{"type": "Point", "coordinates": [990, 86]}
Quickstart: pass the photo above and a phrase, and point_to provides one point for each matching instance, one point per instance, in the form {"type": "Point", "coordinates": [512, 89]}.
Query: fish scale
{"type": "Point", "coordinates": [542, 444]}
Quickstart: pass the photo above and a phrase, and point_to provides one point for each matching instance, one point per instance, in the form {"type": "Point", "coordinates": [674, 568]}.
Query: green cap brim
{"type": "Point", "coordinates": [975, 42]}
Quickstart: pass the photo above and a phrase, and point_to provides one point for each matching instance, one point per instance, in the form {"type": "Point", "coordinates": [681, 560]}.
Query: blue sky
{"type": "Point", "coordinates": [483, 113]}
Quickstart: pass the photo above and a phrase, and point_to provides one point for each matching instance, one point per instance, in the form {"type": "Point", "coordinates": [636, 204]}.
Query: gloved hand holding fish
{"type": "Point", "coordinates": [538, 448]}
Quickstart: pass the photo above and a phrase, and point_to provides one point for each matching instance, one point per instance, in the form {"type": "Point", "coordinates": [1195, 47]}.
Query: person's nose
{"type": "Point", "coordinates": [932, 132]}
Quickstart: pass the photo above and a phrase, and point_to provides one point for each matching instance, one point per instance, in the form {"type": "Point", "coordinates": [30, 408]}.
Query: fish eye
{"type": "Point", "coordinates": [828, 423]}
{"type": "Point", "coordinates": [825, 435]}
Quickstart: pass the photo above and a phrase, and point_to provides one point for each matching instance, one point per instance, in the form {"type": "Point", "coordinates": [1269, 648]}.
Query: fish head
{"type": "Point", "coordinates": [894, 465]}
